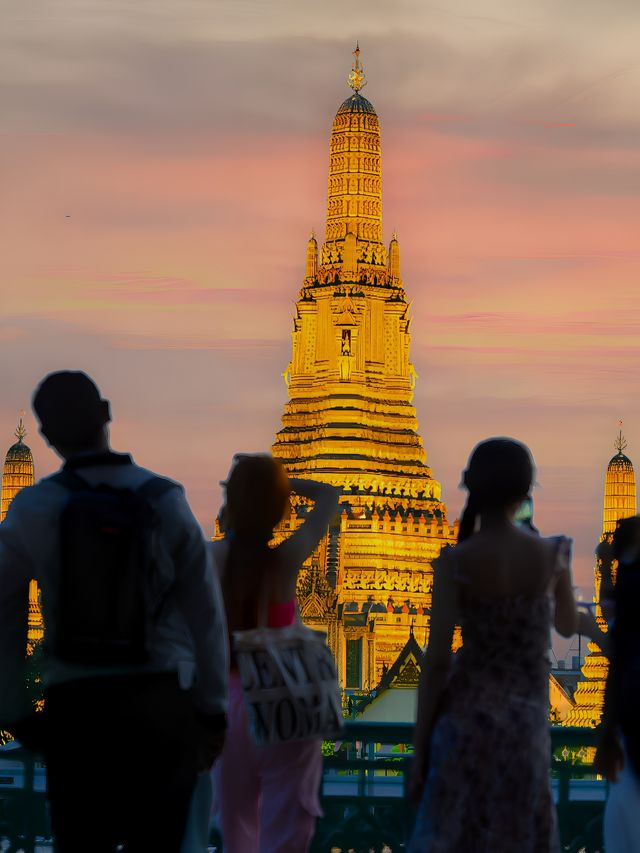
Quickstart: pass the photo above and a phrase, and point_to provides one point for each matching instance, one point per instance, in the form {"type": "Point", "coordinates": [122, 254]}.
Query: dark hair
{"type": "Point", "coordinates": [499, 473]}
{"type": "Point", "coordinates": [257, 495]}
{"type": "Point", "coordinates": [626, 541]}
{"type": "Point", "coordinates": [70, 409]}
{"type": "Point", "coordinates": [257, 492]}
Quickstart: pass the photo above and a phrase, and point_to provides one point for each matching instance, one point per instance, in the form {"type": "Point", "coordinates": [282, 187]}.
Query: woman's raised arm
{"type": "Point", "coordinates": [294, 551]}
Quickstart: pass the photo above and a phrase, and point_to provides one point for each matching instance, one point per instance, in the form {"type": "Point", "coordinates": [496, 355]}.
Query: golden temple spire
{"type": "Point", "coordinates": [18, 469]}
{"type": "Point", "coordinates": [619, 487]}
{"type": "Point", "coordinates": [357, 78]}
{"type": "Point", "coordinates": [620, 443]}
{"type": "Point", "coordinates": [354, 202]}
{"type": "Point", "coordinates": [21, 432]}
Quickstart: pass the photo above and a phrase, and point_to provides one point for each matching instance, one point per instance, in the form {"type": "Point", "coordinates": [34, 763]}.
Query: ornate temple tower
{"type": "Point", "coordinates": [18, 469]}
{"type": "Point", "coordinates": [350, 418]}
{"type": "Point", "coordinates": [17, 473]}
{"type": "Point", "coordinates": [619, 502]}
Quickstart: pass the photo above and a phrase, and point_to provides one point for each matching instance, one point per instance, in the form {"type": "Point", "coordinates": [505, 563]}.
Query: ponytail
{"type": "Point", "coordinates": [468, 520]}
{"type": "Point", "coordinates": [249, 559]}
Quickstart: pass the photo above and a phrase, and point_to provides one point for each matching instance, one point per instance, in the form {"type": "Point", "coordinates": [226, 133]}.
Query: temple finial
{"type": "Point", "coordinates": [620, 443]}
{"type": "Point", "coordinates": [357, 79]}
{"type": "Point", "coordinates": [21, 431]}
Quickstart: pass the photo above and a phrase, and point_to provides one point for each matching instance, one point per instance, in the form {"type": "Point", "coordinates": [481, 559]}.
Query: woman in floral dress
{"type": "Point", "coordinates": [482, 750]}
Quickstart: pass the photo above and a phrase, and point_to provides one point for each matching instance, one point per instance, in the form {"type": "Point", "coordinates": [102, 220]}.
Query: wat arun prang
{"type": "Point", "coordinates": [350, 420]}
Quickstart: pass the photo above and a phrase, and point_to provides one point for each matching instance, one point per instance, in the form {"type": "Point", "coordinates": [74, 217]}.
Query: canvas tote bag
{"type": "Point", "coordinates": [289, 681]}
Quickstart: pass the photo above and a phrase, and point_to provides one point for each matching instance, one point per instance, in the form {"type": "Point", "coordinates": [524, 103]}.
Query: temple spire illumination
{"type": "Point", "coordinates": [17, 474]}
{"type": "Point", "coordinates": [620, 443]}
{"type": "Point", "coordinates": [619, 502]}
{"type": "Point", "coordinates": [350, 419]}
{"type": "Point", "coordinates": [21, 431]}
{"type": "Point", "coordinates": [357, 78]}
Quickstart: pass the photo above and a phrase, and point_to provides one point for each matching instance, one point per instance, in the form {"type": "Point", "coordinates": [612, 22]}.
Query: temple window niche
{"type": "Point", "coordinates": [353, 679]}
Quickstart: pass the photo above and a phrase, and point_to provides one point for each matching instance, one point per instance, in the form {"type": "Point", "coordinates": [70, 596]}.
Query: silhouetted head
{"type": "Point", "coordinates": [71, 412]}
{"type": "Point", "coordinates": [257, 496]}
{"type": "Point", "coordinates": [626, 541]}
{"type": "Point", "coordinates": [499, 475]}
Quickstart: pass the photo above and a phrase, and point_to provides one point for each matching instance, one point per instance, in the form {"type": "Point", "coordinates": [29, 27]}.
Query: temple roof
{"type": "Point", "coordinates": [19, 452]}
{"type": "Point", "coordinates": [356, 104]}
{"type": "Point", "coordinates": [404, 672]}
{"type": "Point", "coordinates": [620, 461]}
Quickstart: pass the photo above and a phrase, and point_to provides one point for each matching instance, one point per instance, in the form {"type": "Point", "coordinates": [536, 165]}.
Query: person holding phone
{"type": "Point", "coordinates": [481, 766]}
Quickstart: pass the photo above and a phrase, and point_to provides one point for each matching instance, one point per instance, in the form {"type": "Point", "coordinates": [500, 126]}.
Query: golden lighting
{"type": "Point", "coordinates": [619, 502]}
{"type": "Point", "coordinates": [17, 473]}
{"type": "Point", "coordinates": [350, 419]}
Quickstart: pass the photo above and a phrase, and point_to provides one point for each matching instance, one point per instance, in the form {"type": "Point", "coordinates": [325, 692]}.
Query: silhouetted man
{"type": "Point", "coordinates": [134, 654]}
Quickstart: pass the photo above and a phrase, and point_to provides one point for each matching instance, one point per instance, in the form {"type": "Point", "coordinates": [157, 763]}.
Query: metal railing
{"type": "Point", "coordinates": [363, 792]}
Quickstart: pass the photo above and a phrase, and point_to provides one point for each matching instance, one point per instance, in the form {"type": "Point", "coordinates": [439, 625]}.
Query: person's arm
{"type": "Point", "coordinates": [609, 758]}
{"type": "Point", "coordinates": [588, 627]}
{"type": "Point", "coordinates": [200, 599]}
{"type": "Point", "coordinates": [605, 557]}
{"type": "Point", "coordinates": [435, 666]}
{"type": "Point", "coordinates": [294, 551]}
{"type": "Point", "coordinates": [566, 617]}
{"type": "Point", "coordinates": [569, 618]}
{"type": "Point", "coordinates": [15, 573]}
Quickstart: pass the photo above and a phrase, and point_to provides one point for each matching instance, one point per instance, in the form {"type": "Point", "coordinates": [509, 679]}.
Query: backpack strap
{"type": "Point", "coordinates": [156, 487]}
{"type": "Point", "coordinates": [70, 480]}
{"type": "Point", "coordinates": [152, 489]}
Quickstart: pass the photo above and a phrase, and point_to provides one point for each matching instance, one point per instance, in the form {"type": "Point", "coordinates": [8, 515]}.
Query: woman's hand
{"type": "Point", "coordinates": [588, 627]}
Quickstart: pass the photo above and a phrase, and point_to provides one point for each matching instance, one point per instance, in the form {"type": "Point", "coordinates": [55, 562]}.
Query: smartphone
{"type": "Point", "coordinates": [524, 514]}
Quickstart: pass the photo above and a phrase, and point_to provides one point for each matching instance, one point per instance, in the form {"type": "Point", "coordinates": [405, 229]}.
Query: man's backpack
{"type": "Point", "coordinates": [107, 561]}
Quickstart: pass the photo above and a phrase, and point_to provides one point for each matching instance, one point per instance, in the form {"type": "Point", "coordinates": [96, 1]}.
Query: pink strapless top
{"type": "Point", "coordinates": [281, 615]}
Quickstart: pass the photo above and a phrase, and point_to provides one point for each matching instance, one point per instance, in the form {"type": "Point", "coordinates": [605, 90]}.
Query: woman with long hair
{"type": "Point", "coordinates": [481, 768]}
{"type": "Point", "coordinates": [267, 795]}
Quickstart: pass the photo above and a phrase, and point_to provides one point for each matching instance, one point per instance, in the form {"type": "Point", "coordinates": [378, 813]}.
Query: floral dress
{"type": "Point", "coordinates": [487, 788]}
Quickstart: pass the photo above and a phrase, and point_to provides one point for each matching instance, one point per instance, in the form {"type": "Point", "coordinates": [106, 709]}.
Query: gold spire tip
{"type": "Point", "coordinates": [620, 443]}
{"type": "Point", "coordinates": [357, 78]}
{"type": "Point", "coordinates": [21, 431]}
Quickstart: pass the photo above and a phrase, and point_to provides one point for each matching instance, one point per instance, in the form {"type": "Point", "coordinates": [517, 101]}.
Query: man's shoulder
{"type": "Point", "coordinates": [36, 504]}
{"type": "Point", "coordinates": [43, 490]}
{"type": "Point", "coordinates": [148, 478]}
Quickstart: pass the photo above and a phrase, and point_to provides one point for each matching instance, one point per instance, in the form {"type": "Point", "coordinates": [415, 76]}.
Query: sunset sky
{"type": "Point", "coordinates": [163, 162]}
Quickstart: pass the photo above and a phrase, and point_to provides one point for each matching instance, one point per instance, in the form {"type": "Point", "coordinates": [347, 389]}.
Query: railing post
{"type": "Point", "coordinates": [362, 772]}
{"type": "Point", "coordinates": [29, 801]}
